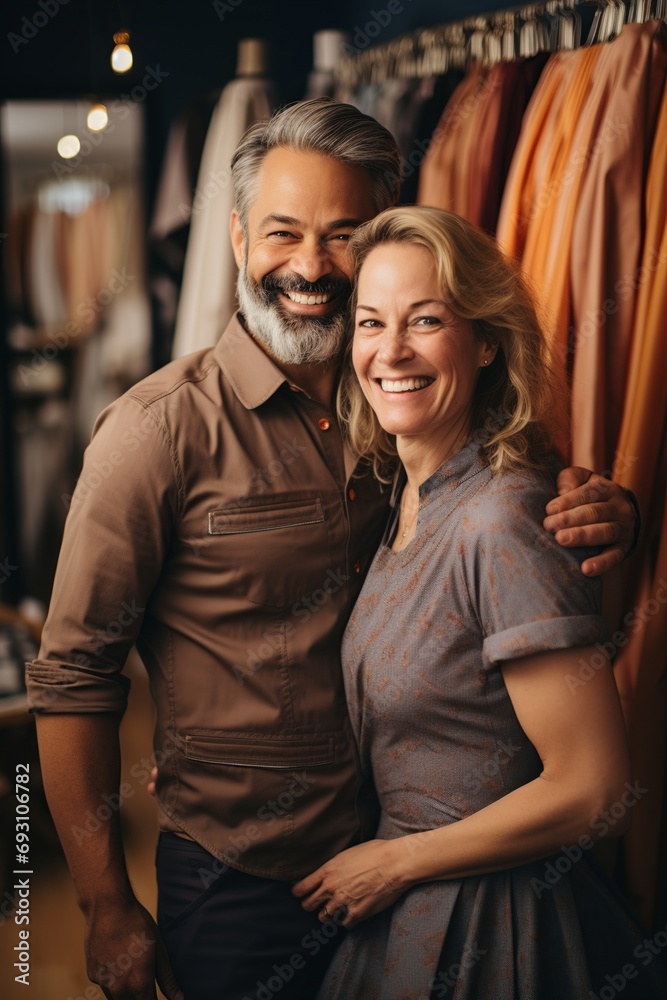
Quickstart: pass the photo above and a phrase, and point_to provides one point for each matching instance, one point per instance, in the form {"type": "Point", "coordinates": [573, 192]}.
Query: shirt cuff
{"type": "Point", "coordinates": [59, 688]}
{"type": "Point", "coordinates": [542, 636]}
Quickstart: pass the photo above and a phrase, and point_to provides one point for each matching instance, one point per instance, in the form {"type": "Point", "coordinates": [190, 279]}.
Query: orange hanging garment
{"type": "Point", "coordinates": [527, 168]}
{"type": "Point", "coordinates": [608, 234]}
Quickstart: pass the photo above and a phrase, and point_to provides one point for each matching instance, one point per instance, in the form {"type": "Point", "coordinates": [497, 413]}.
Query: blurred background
{"type": "Point", "coordinates": [117, 122]}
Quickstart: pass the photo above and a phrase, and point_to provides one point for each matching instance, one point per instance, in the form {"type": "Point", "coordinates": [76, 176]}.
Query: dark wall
{"type": "Point", "coordinates": [61, 48]}
{"type": "Point", "coordinates": [390, 18]}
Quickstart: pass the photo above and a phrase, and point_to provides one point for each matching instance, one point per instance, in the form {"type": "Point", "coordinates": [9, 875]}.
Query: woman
{"type": "Point", "coordinates": [496, 767]}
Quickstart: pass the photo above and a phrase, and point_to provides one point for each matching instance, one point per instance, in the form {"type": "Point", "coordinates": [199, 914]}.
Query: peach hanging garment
{"type": "Point", "coordinates": [442, 179]}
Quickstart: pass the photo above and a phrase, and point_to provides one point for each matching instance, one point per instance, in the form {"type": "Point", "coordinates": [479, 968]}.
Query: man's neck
{"type": "Point", "coordinates": [317, 381]}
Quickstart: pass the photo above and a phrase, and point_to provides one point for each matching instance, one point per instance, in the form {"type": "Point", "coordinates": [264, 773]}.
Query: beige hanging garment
{"type": "Point", "coordinates": [208, 292]}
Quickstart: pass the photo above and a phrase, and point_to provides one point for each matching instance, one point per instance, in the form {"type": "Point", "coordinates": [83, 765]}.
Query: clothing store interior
{"type": "Point", "coordinates": [545, 125]}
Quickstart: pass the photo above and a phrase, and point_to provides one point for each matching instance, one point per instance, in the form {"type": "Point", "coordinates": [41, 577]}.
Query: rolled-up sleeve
{"type": "Point", "coordinates": [117, 533]}
{"type": "Point", "coordinates": [529, 592]}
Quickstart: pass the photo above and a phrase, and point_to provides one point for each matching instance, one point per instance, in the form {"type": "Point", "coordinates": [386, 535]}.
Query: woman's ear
{"type": "Point", "coordinates": [488, 354]}
{"type": "Point", "coordinates": [490, 349]}
{"type": "Point", "coordinates": [238, 237]}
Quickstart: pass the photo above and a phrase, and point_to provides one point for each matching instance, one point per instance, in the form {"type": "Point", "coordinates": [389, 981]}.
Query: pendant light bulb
{"type": "Point", "coordinates": [68, 146]}
{"type": "Point", "coordinates": [98, 118]}
{"type": "Point", "coordinates": [121, 57]}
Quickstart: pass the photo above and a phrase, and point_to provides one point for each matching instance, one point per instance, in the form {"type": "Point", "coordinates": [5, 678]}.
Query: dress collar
{"type": "Point", "coordinates": [454, 470]}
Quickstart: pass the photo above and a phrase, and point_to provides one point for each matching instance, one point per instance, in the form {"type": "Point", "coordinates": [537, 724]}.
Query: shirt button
{"type": "Point", "coordinates": [351, 495]}
{"type": "Point", "coordinates": [357, 567]}
{"type": "Point", "coordinates": [324, 424]}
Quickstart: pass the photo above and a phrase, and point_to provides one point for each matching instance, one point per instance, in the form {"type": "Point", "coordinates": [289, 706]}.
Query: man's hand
{"type": "Point", "coordinates": [80, 758]}
{"type": "Point", "coordinates": [592, 510]}
{"type": "Point", "coordinates": [125, 954]}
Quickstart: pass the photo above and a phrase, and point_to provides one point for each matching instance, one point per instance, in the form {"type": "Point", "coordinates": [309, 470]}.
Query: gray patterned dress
{"type": "Point", "coordinates": [481, 582]}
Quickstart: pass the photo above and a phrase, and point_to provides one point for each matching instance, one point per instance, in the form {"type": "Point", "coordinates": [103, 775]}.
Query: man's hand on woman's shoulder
{"type": "Point", "coordinates": [592, 511]}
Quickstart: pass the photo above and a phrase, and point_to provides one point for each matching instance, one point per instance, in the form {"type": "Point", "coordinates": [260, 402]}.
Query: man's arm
{"type": "Point", "coordinates": [592, 510]}
{"type": "Point", "coordinates": [118, 530]}
{"type": "Point", "coordinates": [80, 760]}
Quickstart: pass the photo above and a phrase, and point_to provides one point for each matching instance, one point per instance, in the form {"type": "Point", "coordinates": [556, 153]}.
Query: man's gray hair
{"type": "Point", "coordinates": [323, 126]}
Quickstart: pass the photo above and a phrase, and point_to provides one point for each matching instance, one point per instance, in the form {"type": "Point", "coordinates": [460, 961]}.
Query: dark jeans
{"type": "Point", "coordinates": [232, 936]}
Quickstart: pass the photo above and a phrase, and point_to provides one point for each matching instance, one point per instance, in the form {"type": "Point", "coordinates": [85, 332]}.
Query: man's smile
{"type": "Point", "coordinates": [308, 299]}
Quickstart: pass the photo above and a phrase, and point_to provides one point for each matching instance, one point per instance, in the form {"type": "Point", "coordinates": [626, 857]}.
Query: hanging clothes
{"type": "Point", "coordinates": [641, 464]}
{"type": "Point", "coordinates": [432, 96]}
{"type": "Point", "coordinates": [537, 213]}
{"type": "Point", "coordinates": [442, 177]}
{"type": "Point", "coordinates": [208, 293]}
{"type": "Point", "coordinates": [525, 180]}
{"type": "Point", "coordinates": [170, 223]}
{"type": "Point", "coordinates": [572, 211]}
{"type": "Point", "coordinates": [608, 234]}
{"type": "Point", "coordinates": [472, 147]}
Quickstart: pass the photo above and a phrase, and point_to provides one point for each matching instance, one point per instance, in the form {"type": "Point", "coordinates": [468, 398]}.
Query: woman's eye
{"type": "Point", "coordinates": [369, 324]}
{"type": "Point", "coordinates": [426, 321]}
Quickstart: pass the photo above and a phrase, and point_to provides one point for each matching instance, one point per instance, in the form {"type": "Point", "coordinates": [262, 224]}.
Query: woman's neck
{"type": "Point", "coordinates": [421, 456]}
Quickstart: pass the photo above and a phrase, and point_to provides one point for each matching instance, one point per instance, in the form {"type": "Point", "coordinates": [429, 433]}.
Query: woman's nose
{"type": "Point", "coordinates": [394, 346]}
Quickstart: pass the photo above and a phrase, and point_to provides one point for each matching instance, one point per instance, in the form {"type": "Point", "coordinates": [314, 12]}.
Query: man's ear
{"type": "Point", "coordinates": [238, 237]}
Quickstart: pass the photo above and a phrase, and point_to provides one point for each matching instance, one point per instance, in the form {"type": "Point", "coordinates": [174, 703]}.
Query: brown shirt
{"type": "Point", "coordinates": [220, 523]}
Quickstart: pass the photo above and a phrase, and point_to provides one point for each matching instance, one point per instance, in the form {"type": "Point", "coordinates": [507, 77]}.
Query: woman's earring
{"type": "Point", "coordinates": [486, 361]}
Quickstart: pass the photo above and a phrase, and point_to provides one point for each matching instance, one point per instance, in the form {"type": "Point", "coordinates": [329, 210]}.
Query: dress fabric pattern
{"type": "Point", "coordinates": [480, 583]}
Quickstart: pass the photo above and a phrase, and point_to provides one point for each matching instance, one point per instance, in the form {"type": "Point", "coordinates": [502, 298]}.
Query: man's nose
{"type": "Point", "coordinates": [311, 261]}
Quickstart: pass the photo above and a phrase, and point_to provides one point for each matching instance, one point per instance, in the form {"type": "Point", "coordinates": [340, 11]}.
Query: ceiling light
{"type": "Point", "coordinates": [97, 119]}
{"type": "Point", "coordinates": [121, 57]}
{"type": "Point", "coordinates": [68, 146]}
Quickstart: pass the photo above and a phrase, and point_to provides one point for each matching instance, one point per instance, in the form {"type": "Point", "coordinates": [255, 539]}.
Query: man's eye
{"type": "Point", "coordinates": [342, 237]}
{"type": "Point", "coordinates": [281, 234]}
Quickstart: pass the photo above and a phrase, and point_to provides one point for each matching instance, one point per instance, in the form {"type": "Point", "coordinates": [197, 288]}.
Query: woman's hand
{"type": "Point", "coordinates": [360, 882]}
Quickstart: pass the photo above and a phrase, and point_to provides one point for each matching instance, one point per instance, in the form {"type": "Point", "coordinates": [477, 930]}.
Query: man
{"type": "Point", "coordinates": [222, 524]}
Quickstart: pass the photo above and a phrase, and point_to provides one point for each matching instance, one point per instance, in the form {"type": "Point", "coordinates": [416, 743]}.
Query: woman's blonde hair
{"type": "Point", "coordinates": [514, 395]}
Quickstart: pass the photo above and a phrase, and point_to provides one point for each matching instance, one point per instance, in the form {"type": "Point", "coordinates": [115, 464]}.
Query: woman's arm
{"type": "Point", "coordinates": [576, 728]}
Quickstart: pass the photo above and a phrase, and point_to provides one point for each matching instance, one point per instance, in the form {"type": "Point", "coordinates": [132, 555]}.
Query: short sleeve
{"type": "Point", "coordinates": [117, 531]}
{"type": "Point", "coordinates": [529, 593]}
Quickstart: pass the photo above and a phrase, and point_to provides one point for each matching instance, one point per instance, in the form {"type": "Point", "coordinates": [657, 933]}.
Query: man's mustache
{"type": "Point", "coordinates": [271, 284]}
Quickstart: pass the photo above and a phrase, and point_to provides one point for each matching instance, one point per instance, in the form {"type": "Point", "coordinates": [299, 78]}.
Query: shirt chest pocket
{"type": "Point", "coordinates": [271, 552]}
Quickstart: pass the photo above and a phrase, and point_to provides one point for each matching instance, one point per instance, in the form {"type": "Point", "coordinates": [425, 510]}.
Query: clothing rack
{"type": "Point", "coordinates": [512, 33]}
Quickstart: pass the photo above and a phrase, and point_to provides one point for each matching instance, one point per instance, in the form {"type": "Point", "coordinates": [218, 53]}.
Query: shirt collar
{"type": "Point", "coordinates": [251, 372]}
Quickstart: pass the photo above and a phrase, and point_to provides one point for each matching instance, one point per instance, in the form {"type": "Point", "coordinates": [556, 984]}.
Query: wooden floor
{"type": "Point", "coordinates": [56, 926]}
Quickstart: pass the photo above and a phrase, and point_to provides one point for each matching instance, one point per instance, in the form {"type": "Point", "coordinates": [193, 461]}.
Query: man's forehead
{"type": "Point", "coordinates": [344, 222]}
{"type": "Point", "coordinates": [298, 185]}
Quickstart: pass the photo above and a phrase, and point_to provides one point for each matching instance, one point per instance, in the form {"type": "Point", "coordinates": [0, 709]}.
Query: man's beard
{"type": "Point", "coordinates": [292, 339]}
